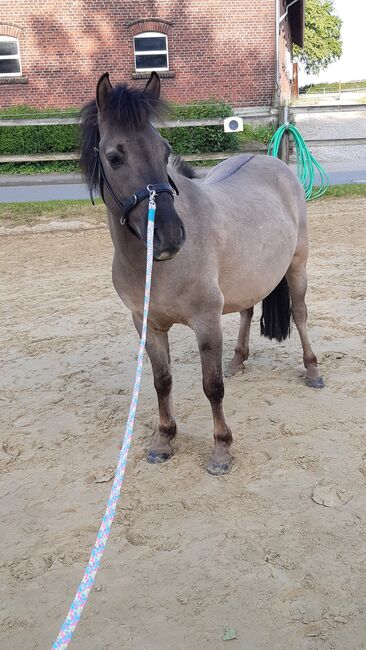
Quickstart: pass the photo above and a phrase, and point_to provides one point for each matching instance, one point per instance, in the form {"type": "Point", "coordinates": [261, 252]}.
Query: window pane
{"type": "Point", "coordinates": [9, 66]}
{"type": "Point", "coordinates": [151, 61]}
{"type": "Point", "coordinates": [8, 47]}
{"type": "Point", "coordinates": [151, 43]}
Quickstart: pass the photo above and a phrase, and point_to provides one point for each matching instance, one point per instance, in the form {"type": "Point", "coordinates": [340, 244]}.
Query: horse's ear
{"type": "Point", "coordinates": [104, 87]}
{"type": "Point", "coordinates": [153, 85]}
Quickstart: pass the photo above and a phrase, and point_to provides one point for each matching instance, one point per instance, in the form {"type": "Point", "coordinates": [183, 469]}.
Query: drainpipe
{"type": "Point", "coordinates": [286, 12]}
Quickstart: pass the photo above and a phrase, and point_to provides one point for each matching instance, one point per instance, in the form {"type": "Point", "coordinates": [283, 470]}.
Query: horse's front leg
{"type": "Point", "coordinates": [157, 348]}
{"type": "Point", "coordinates": [209, 337]}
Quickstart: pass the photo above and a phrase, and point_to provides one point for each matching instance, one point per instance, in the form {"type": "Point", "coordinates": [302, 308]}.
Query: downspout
{"type": "Point", "coordinates": [286, 12]}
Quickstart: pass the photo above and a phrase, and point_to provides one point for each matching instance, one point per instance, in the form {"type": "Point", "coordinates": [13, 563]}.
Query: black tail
{"type": "Point", "coordinates": [276, 313]}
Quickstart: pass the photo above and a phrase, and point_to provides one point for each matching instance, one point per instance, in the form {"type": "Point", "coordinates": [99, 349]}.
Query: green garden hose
{"type": "Point", "coordinates": [306, 163]}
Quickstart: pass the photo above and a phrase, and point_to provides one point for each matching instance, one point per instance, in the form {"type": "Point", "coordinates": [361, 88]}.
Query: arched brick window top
{"type": "Point", "coordinates": [149, 25]}
{"type": "Point", "coordinates": [10, 30]}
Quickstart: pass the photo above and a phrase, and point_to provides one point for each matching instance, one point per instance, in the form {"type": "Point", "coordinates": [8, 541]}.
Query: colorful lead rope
{"type": "Point", "coordinates": [75, 611]}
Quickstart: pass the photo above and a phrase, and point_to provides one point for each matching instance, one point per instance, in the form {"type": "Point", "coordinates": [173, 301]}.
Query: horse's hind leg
{"type": "Point", "coordinates": [297, 282]}
{"type": "Point", "coordinates": [157, 348]}
{"type": "Point", "coordinates": [242, 346]}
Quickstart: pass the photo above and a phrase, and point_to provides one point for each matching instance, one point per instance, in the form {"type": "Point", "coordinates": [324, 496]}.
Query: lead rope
{"type": "Point", "coordinates": [75, 611]}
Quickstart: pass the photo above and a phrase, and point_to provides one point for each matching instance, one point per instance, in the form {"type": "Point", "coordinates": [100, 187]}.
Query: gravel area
{"type": "Point", "coordinates": [334, 125]}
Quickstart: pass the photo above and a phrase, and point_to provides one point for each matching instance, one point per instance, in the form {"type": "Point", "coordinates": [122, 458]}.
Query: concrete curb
{"type": "Point", "coordinates": [15, 180]}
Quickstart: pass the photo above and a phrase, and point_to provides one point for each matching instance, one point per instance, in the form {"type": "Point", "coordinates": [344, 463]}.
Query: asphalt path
{"type": "Point", "coordinates": [51, 187]}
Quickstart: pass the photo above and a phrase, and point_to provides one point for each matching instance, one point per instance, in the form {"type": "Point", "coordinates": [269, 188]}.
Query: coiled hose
{"type": "Point", "coordinates": [306, 163]}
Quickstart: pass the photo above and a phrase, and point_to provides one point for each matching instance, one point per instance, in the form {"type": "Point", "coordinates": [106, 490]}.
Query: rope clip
{"type": "Point", "coordinates": [152, 193]}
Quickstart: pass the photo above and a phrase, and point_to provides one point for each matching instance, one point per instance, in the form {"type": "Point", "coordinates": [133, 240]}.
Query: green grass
{"type": "Point", "coordinates": [261, 133]}
{"type": "Point", "coordinates": [340, 191]}
{"type": "Point", "coordinates": [204, 163]}
{"type": "Point", "coordinates": [80, 206]}
{"type": "Point", "coordinates": [334, 87]}
{"type": "Point", "coordinates": [47, 167]}
{"type": "Point", "coordinates": [33, 212]}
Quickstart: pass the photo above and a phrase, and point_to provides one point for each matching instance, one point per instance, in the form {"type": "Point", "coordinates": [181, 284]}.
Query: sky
{"type": "Point", "coordinates": [352, 65]}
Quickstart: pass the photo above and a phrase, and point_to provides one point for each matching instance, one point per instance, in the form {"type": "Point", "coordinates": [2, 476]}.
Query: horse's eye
{"type": "Point", "coordinates": [115, 161]}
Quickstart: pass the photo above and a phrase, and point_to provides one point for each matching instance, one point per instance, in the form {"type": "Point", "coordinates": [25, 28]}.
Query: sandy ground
{"type": "Point", "coordinates": [189, 554]}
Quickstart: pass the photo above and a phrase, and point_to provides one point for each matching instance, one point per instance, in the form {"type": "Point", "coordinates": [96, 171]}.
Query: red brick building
{"type": "Point", "coordinates": [52, 53]}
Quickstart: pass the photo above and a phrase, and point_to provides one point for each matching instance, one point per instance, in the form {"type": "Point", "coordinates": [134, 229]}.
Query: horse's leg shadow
{"type": "Point", "coordinates": [236, 365]}
{"type": "Point", "coordinates": [157, 348]}
{"type": "Point", "coordinates": [297, 282]}
{"type": "Point", "coordinates": [209, 337]}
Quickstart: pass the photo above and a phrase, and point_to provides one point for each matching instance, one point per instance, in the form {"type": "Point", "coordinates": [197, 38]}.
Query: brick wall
{"type": "Point", "coordinates": [217, 49]}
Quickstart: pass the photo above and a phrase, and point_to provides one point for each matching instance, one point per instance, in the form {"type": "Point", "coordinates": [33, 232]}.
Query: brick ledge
{"type": "Point", "coordinates": [146, 75]}
{"type": "Point", "coordinates": [13, 80]}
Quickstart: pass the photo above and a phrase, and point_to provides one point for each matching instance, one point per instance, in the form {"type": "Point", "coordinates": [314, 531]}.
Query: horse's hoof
{"type": "Point", "coordinates": [155, 457]}
{"type": "Point", "coordinates": [315, 383]}
{"type": "Point", "coordinates": [231, 371]}
{"type": "Point", "coordinates": [219, 469]}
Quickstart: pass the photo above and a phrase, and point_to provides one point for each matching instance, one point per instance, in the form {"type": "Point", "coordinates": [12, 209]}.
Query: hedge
{"type": "Point", "coordinates": [64, 138]}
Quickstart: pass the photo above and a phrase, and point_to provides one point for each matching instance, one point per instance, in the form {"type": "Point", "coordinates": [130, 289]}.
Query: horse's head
{"type": "Point", "coordinates": [131, 155]}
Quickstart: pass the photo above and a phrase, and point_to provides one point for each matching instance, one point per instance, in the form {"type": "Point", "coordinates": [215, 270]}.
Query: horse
{"type": "Point", "coordinates": [222, 244]}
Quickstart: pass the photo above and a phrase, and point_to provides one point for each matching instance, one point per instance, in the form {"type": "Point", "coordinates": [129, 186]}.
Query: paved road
{"type": "Point", "coordinates": [50, 187]}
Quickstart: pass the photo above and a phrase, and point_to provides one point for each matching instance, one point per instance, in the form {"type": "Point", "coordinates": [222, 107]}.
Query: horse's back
{"type": "Point", "coordinates": [227, 168]}
{"type": "Point", "coordinates": [263, 184]}
{"type": "Point", "coordinates": [262, 168]}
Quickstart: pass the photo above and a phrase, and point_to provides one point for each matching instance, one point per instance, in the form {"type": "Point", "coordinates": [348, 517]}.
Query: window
{"type": "Point", "coordinates": [9, 57]}
{"type": "Point", "coordinates": [151, 52]}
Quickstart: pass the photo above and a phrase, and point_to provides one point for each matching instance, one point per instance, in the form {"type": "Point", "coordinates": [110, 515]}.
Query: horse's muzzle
{"type": "Point", "coordinates": [168, 245]}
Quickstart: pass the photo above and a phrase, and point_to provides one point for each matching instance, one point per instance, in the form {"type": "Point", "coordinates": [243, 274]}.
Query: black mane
{"type": "Point", "coordinates": [89, 138]}
{"type": "Point", "coordinates": [182, 166]}
{"type": "Point", "coordinates": [128, 106]}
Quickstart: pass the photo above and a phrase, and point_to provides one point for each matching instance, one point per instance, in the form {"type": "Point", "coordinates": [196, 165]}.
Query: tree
{"type": "Point", "coordinates": [322, 38]}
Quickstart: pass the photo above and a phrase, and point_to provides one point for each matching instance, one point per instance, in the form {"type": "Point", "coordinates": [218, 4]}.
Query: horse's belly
{"type": "Point", "coordinates": [244, 298]}
{"type": "Point", "coordinates": [246, 278]}
{"type": "Point", "coordinates": [231, 307]}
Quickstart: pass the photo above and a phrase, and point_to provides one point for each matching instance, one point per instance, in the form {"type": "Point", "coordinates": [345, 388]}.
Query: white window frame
{"type": "Point", "coordinates": [166, 51]}
{"type": "Point", "coordinates": [5, 39]}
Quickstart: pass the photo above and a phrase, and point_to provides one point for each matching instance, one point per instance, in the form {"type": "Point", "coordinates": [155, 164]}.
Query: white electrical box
{"type": "Point", "coordinates": [233, 124]}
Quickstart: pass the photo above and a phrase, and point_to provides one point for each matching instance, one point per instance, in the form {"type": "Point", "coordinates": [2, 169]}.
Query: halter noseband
{"type": "Point", "coordinates": [136, 198]}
